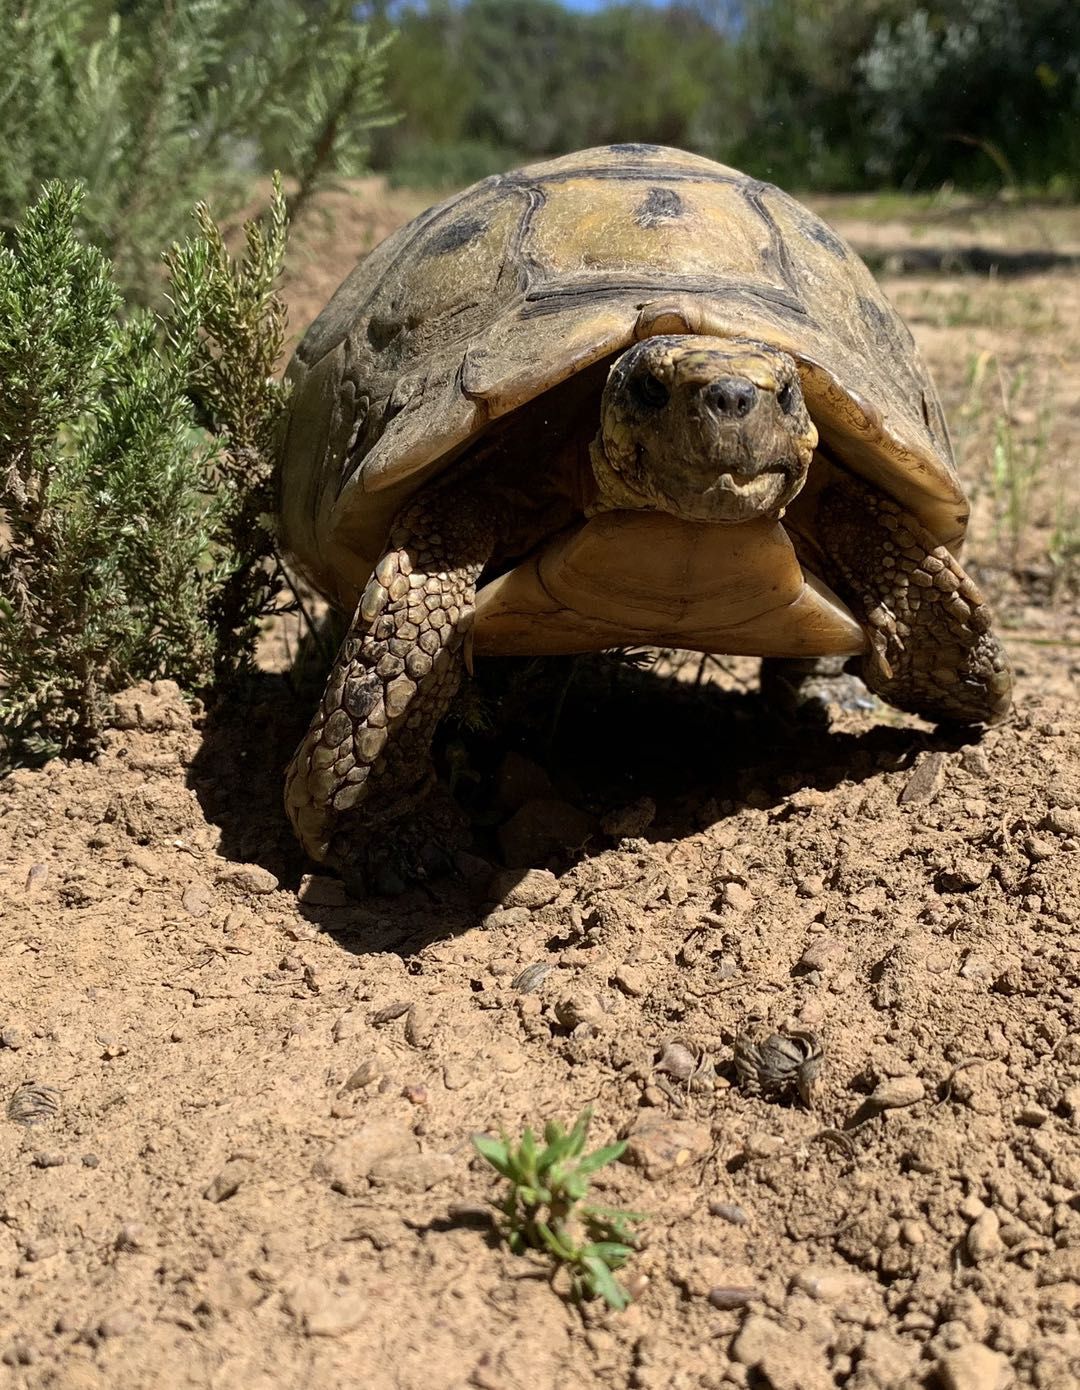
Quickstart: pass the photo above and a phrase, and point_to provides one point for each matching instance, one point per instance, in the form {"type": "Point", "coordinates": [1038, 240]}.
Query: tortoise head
{"type": "Point", "coordinates": [708, 429]}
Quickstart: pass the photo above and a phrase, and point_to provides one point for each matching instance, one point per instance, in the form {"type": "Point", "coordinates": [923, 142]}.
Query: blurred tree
{"type": "Point", "coordinates": [153, 106]}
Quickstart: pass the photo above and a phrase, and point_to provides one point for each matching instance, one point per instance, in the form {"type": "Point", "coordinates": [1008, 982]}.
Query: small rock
{"type": "Point", "coordinates": [1033, 1116]}
{"type": "Point", "coordinates": [761, 1145]}
{"type": "Point", "coordinates": [535, 888]}
{"type": "Point", "coordinates": [531, 978]}
{"type": "Point", "coordinates": [926, 781]}
{"type": "Point", "coordinates": [975, 761]}
{"type": "Point", "coordinates": [729, 1296]}
{"type": "Point", "coordinates": [730, 1212]}
{"type": "Point", "coordinates": [412, 1172]}
{"type": "Point", "coordinates": [810, 886]}
{"type": "Point", "coordinates": [131, 1236]}
{"type": "Point", "coordinates": [324, 1313]}
{"type": "Point", "coordinates": [543, 826]}
{"type": "Point", "coordinates": [139, 857]}
{"type": "Point", "coordinates": [736, 898]}
{"type": "Point", "coordinates": [1062, 820]}
{"type": "Point", "coordinates": [48, 1159]}
{"type": "Point", "coordinates": [364, 1075]}
{"type": "Point", "coordinates": [416, 1094]}
{"type": "Point", "coordinates": [630, 980]}
{"type": "Point", "coordinates": [827, 1285]}
{"type": "Point", "coordinates": [1038, 847]}
{"type": "Point", "coordinates": [658, 1145]}
{"type": "Point", "coordinates": [510, 919]}
{"type": "Point", "coordinates": [973, 1367]}
{"type": "Point", "coordinates": [983, 1238]}
{"type": "Point", "coordinates": [227, 1182]}
{"type": "Point", "coordinates": [897, 1092]}
{"type": "Point", "coordinates": [823, 953]}
{"type": "Point", "coordinates": [347, 1166]}
{"type": "Point", "coordinates": [320, 890]}
{"type": "Point", "coordinates": [249, 878]}
{"type": "Point", "coordinates": [964, 876]}
{"type": "Point", "coordinates": [118, 1324]}
{"type": "Point", "coordinates": [419, 1030]}
{"type": "Point", "coordinates": [39, 1250]}
{"type": "Point", "coordinates": [197, 900]}
{"type": "Point", "coordinates": [347, 1026]}
{"type": "Point", "coordinates": [12, 1037]}
{"type": "Point", "coordinates": [573, 1010]}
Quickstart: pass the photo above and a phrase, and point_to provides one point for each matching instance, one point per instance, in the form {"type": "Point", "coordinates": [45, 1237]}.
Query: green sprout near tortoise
{"type": "Point", "coordinates": [546, 1206]}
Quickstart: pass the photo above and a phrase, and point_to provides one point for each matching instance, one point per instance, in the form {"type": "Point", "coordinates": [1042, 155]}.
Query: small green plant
{"type": "Point", "coordinates": [546, 1206]}
{"type": "Point", "coordinates": [134, 472]}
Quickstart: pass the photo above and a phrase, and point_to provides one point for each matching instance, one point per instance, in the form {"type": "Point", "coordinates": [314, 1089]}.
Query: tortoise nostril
{"type": "Point", "coordinates": [731, 395]}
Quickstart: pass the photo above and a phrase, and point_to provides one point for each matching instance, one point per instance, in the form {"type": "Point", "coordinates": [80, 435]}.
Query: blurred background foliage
{"type": "Point", "coordinates": [154, 104]}
{"type": "Point", "coordinates": [815, 94]}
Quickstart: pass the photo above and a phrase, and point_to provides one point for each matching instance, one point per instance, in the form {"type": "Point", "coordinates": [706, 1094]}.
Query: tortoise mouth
{"type": "Point", "coordinates": [648, 578]}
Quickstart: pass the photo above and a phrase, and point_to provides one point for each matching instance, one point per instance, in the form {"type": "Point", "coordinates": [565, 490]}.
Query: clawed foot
{"type": "Point", "coordinates": [384, 857]}
{"type": "Point", "coordinates": [800, 690]}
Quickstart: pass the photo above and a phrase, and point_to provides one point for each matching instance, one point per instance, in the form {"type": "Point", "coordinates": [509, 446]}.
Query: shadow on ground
{"type": "Point", "coordinates": [592, 749]}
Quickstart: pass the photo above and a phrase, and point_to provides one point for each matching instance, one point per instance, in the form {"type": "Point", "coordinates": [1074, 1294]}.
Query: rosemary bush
{"type": "Point", "coordinates": [134, 471]}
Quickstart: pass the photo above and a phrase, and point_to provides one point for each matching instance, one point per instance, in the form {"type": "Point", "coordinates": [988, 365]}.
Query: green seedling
{"type": "Point", "coordinates": [547, 1208]}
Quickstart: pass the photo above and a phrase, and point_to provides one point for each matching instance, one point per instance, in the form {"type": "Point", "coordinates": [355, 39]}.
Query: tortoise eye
{"type": "Point", "coordinates": [785, 398]}
{"type": "Point", "coordinates": [650, 391]}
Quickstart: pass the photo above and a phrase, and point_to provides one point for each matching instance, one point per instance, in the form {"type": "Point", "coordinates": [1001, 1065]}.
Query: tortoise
{"type": "Point", "coordinates": [624, 397]}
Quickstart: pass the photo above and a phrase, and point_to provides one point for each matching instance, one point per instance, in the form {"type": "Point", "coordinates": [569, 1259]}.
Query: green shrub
{"type": "Point", "coordinates": [134, 472]}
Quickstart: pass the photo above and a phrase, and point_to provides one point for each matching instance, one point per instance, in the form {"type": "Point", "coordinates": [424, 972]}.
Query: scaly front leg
{"type": "Point", "coordinates": [365, 762]}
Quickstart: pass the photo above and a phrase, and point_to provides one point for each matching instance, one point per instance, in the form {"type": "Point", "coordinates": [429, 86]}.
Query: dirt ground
{"type": "Point", "coordinates": [236, 1144]}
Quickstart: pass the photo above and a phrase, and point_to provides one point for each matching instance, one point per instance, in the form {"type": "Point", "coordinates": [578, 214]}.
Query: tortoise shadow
{"type": "Point", "coordinates": [611, 736]}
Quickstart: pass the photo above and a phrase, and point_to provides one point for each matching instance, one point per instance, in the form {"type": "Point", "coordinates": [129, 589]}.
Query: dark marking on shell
{"type": "Point", "coordinates": [558, 295]}
{"type": "Point", "coordinates": [455, 236]}
{"type": "Point", "coordinates": [817, 231]}
{"type": "Point", "coordinates": [779, 260]}
{"type": "Point", "coordinates": [619, 173]}
{"type": "Point", "coordinates": [877, 320]}
{"type": "Point", "coordinates": [635, 149]}
{"type": "Point", "coordinates": [659, 205]}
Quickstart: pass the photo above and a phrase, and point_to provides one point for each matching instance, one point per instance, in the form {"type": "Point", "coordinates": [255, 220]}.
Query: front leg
{"type": "Point", "coordinates": [365, 762]}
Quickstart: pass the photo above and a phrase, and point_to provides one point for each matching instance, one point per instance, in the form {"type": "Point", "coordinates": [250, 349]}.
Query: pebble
{"type": "Point", "coordinates": [1062, 820]}
{"type": "Point", "coordinates": [249, 878]}
{"type": "Point", "coordinates": [324, 1313]}
{"type": "Point", "coordinates": [730, 1212]}
{"type": "Point", "coordinates": [48, 1159]}
{"type": "Point", "coordinates": [1033, 1116]}
{"type": "Point", "coordinates": [227, 1182]}
{"type": "Point", "coordinates": [506, 919]}
{"type": "Point", "coordinates": [631, 980]}
{"type": "Point", "coordinates": [730, 1296]}
{"type": "Point", "coordinates": [897, 1092]}
{"type": "Point", "coordinates": [348, 1164]}
{"type": "Point", "coordinates": [535, 888]}
{"type": "Point", "coordinates": [736, 898]}
{"type": "Point", "coordinates": [761, 1145]}
{"type": "Point", "coordinates": [973, 1367]}
{"type": "Point", "coordinates": [926, 781]}
{"type": "Point", "coordinates": [1038, 847]}
{"type": "Point", "coordinates": [572, 1010]}
{"type": "Point", "coordinates": [347, 1026]}
{"type": "Point", "coordinates": [822, 954]}
{"type": "Point", "coordinates": [139, 857]}
{"type": "Point", "coordinates": [118, 1324]}
{"type": "Point", "coordinates": [983, 1239]}
{"type": "Point", "coordinates": [197, 900]}
{"type": "Point", "coordinates": [531, 978]}
{"type": "Point", "coordinates": [12, 1037]}
{"type": "Point", "coordinates": [657, 1145]}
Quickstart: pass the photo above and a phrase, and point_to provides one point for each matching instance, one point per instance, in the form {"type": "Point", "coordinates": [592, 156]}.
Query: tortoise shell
{"type": "Point", "coordinates": [492, 298]}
